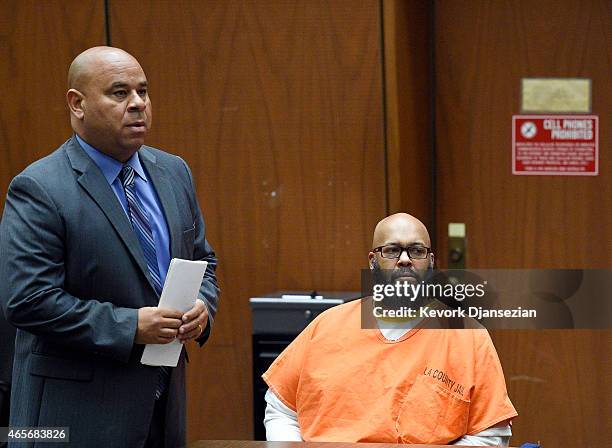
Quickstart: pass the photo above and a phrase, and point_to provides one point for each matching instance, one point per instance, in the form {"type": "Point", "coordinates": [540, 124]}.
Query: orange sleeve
{"type": "Point", "coordinates": [489, 401]}
{"type": "Point", "coordinates": [283, 376]}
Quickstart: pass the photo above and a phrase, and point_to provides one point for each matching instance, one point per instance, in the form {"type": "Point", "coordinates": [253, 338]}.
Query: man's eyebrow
{"type": "Point", "coordinates": [118, 85]}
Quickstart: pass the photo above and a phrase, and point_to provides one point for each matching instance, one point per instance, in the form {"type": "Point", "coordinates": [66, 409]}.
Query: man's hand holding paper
{"type": "Point", "coordinates": [157, 325]}
{"type": "Point", "coordinates": [181, 315]}
{"type": "Point", "coordinates": [194, 322]}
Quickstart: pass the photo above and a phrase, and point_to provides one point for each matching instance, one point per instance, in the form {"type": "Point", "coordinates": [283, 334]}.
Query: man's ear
{"type": "Point", "coordinates": [372, 260]}
{"type": "Point", "coordinates": [75, 103]}
{"type": "Point", "coordinates": [431, 260]}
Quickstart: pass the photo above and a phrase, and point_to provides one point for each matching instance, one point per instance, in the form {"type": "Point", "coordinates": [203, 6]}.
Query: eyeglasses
{"type": "Point", "coordinates": [392, 251]}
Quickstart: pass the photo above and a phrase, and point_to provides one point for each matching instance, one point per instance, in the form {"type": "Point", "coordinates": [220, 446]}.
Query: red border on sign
{"type": "Point", "coordinates": [595, 118]}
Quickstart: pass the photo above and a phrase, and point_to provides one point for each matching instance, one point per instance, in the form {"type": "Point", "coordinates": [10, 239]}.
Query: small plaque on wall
{"type": "Point", "coordinates": [556, 95]}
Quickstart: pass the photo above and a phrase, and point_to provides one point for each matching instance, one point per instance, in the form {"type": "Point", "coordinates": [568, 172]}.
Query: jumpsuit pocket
{"type": "Point", "coordinates": [431, 414]}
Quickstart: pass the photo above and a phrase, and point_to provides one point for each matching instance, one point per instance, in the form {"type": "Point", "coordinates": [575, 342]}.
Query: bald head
{"type": "Point", "coordinates": [400, 228]}
{"type": "Point", "coordinates": [87, 64]}
{"type": "Point", "coordinates": [109, 102]}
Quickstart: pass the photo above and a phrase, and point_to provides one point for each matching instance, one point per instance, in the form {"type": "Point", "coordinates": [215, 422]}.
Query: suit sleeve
{"type": "Point", "coordinates": [32, 273]}
{"type": "Point", "coordinates": [7, 349]}
{"type": "Point", "coordinates": [209, 291]}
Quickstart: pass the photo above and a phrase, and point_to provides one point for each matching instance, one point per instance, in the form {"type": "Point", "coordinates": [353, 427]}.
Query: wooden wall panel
{"type": "Point", "coordinates": [482, 52]}
{"type": "Point", "coordinates": [557, 379]}
{"type": "Point", "coordinates": [408, 111]}
{"type": "Point", "coordinates": [38, 40]}
{"type": "Point", "coordinates": [277, 108]}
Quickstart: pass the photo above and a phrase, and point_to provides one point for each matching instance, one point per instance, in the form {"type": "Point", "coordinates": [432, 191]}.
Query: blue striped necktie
{"type": "Point", "coordinates": [141, 225]}
{"type": "Point", "coordinates": [140, 222]}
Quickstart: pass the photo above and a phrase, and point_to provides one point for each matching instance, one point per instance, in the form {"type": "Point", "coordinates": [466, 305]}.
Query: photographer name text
{"type": "Point", "coordinates": [476, 312]}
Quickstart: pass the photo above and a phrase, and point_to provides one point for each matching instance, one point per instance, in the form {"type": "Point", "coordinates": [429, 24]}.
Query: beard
{"type": "Point", "coordinates": [401, 275]}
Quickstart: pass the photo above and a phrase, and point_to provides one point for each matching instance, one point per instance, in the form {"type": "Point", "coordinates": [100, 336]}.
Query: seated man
{"type": "Point", "coordinates": [404, 384]}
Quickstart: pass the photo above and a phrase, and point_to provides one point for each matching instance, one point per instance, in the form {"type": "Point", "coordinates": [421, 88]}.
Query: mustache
{"type": "Point", "coordinates": [403, 272]}
{"type": "Point", "coordinates": [390, 275]}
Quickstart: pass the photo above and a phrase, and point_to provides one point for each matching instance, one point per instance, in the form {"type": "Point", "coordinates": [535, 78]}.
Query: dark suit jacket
{"type": "Point", "coordinates": [72, 276]}
{"type": "Point", "coordinates": [7, 345]}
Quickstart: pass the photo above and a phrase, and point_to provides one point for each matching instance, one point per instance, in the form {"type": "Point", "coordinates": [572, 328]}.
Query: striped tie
{"type": "Point", "coordinates": [140, 223]}
{"type": "Point", "coordinates": [142, 227]}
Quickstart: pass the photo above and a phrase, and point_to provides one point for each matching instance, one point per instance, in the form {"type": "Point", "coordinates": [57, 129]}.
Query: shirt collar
{"type": "Point", "coordinates": [110, 167]}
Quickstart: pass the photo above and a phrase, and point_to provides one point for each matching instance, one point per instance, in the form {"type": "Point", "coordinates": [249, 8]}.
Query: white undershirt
{"type": "Point", "coordinates": [282, 424]}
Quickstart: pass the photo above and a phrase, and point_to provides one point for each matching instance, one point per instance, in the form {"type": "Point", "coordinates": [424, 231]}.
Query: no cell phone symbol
{"type": "Point", "coordinates": [529, 129]}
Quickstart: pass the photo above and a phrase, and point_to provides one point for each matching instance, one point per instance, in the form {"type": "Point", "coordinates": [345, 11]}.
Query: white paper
{"type": "Point", "coordinates": [180, 292]}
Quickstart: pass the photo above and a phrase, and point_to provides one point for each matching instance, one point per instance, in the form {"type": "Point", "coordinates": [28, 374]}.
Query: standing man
{"type": "Point", "coordinates": [85, 243]}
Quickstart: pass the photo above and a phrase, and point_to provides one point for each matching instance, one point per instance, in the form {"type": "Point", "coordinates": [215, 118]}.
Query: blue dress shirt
{"type": "Point", "coordinates": [146, 193]}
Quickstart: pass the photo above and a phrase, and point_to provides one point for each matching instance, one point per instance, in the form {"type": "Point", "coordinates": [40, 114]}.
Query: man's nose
{"type": "Point", "coordinates": [137, 103]}
{"type": "Point", "coordinates": [404, 259]}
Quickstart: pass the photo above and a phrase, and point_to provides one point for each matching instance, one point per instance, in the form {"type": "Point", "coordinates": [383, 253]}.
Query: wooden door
{"type": "Point", "coordinates": [277, 107]}
{"type": "Point", "coordinates": [559, 381]}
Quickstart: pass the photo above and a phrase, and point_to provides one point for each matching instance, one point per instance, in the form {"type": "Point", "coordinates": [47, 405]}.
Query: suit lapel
{"type": "Point", "coordinates": [94, 182]}
{"type": "Point", "coordinates": [159, 176]}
